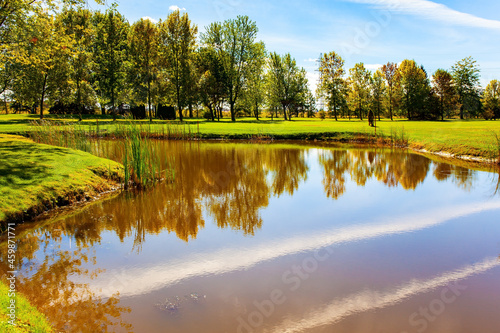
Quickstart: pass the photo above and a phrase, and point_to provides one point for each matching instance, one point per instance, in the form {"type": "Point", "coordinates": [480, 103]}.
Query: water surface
{"type": "Point", "coordinates": [275, 238]}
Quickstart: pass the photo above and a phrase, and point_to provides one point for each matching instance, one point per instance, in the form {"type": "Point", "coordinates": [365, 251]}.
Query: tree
{"type": "Point", "coordinates": [213, 81]}
{"type": "Point", "coordinates": [234, 41]}
{"type": "Point", "coordinates": [390, 71]}
{"type": "Point", "coordinates": [443, 86]}
{"type": "Point", "coordinates": [253, 95]}
{"type": "Point", "coordinates": [143, 52]}
{"type": "Point", "coordinates": [287, 83]}
{"type": "Point", "coordinates": [176, 47]}
{"type": "Point", "coordinates": [415, 88]}
{"type": "Point", "coordinates": [378, 91]}
{"type": "Point", "coordinates": [491, 100]}
{"type": "Point", "coordinates": [466, 78]}
{"type": "Point", "coordinates": [359, 79]}
{"type": "Point", "coordinates": [43, 58]}
{"type": "Point", "coordinates": [76, 22]}
{"type": "Point", "coordinates": [110, 53]}
{"type": "Point", "coordinates": [332, 83]}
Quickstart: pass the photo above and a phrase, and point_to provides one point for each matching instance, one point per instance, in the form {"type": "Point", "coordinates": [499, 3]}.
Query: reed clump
{"type": "Point", "coordinates": [142, 164]}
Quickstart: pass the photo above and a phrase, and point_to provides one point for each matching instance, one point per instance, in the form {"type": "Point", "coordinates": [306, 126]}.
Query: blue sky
{"type": "Point", "coordinates": [435, 34]}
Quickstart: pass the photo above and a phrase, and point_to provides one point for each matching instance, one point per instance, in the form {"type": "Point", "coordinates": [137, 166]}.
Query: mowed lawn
{"type": "Point", "coordinates": [468, 137]}
{"type": "Point", "coordinates": [34, 176]}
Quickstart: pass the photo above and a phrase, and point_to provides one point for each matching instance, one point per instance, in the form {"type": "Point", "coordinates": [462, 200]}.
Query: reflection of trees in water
{"type": "Point", "coordinates": [462, 177]}
{"type": "Point", "coordinates": [335, 164]}
{"type": "Point", "coordinates": [393, 168]}
{"type": "Point", "coordinates": [230, 183]}
{"type": "Point", "coordinates": [50, 286]}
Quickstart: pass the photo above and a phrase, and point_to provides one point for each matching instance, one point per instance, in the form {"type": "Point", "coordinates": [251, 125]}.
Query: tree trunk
{"type": "Point", "coordinates": [256, 110]}
{"type": "Point", "coordinates": [149, 101]}
{"type": "Point", "coordinates": [233, 116]}
{"type": "Point", "coordinates": [284, 111]}
{"type": "Point", "coordinates": [43, 95]}
{"type": "Point", "coordinates": [335, 110]}
{"type": "Point", "coordinates": [179, 107]}
{"type": "Point", "coordinates": [390, 103]}
{"type": "Point", "coordinates": [190, 110]}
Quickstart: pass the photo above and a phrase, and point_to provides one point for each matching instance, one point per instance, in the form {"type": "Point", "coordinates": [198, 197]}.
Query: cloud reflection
{"type": "Point", "coordinates": [125, 281]}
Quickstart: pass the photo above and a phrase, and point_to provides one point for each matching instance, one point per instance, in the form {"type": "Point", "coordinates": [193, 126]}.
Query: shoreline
{"type": "Point", "coordinates": [77, 198]}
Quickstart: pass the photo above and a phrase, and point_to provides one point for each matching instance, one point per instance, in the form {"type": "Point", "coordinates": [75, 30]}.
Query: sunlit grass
{"type": "Point", "coordinates": [35, 177]}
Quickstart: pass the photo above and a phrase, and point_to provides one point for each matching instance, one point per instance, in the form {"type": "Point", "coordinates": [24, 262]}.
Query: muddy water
{"type": "Point", "coordinates": [275, 238]}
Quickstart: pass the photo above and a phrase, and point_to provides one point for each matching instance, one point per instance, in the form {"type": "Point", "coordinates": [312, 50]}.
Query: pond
{"type": "Point", "coordinates": [275, 238]}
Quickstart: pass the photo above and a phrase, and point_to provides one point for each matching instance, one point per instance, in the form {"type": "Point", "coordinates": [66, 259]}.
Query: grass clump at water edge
{"type": "Point", "coordinates": [142, 166]}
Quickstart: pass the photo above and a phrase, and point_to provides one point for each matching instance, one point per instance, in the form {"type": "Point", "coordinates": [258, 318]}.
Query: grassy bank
{"type": "Point", "coordinates": [36, 177]}
{"type": "Point", "coordinates": [28, 319]}
{"type": "Point", "coordinates": [471, 138]}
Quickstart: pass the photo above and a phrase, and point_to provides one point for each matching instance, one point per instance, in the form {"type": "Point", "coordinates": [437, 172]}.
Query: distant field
{"type": "Point", "coordinates": [469, 137]}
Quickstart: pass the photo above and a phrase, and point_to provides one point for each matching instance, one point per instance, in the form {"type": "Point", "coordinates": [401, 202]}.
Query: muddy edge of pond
{"type": "Point", "coordinates": [70, 200]}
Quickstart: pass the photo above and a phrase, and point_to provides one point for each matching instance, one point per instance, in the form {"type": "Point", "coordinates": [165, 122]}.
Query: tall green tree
{"type": "Point", "coordinates": [77, 23]}
{"type": "Point", "coordinates": [287, 83]}
{"type": "Point", "coordinates": [415, 88]}
{"type": "Point", "coordinates": [466, 78]}
{"type": "Point", "coordinates": [143, 59]}
{"type": "Point", "coordinates": [491, 99]}
{"type": "Point", "coordinates": [234, 41]}
{"type": "Point", "coordinates": [378, 89]}
{"type": "Point", "coordinates": [332, 82]}
{"type": "Point", "coordinates": [213, 81]}
{"type": "Point", "coordinates": [110, 54]}
{"type": "Point", "coordinates": [253, 94]}
{"type": "Point", "coordinates": [177, 37]}
{"type": "Point", "coordinates": [390, 71]}
{"type": "Point", "coordinates": [43, 57]}
{"type": "Point", "coordinates": [442, 82]}
{"type": "Point", "coordinates": [359, 81]}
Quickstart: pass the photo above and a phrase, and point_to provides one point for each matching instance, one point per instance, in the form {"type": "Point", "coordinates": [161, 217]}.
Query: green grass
{"type": "Point", "coordinates": [28, 319]}
{"type": "Point", "coordinates": [470, 137]}
{"type": "Point", "coordinates": [35, 177]}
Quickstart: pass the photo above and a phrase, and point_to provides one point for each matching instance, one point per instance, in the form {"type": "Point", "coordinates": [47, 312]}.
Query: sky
{"type": "Point", "coordinates": [436, 34]}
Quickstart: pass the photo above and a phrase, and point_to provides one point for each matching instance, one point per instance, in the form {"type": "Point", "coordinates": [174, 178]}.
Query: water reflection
{"type": "Point", "coordinates": [49, 283]}
{"type": "Point", "coordinates": [231, 183]}
{"type": "Point", "coordinates": [370, 300]}
{"type": "Point", "coordinates": [243, 258]}
{"type": "Point", "coordinates": [228, 185]}
{"type": "Point", "coordinates": [391, 168]}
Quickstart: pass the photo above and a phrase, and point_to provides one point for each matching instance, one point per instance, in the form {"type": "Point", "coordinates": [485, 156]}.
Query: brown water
{"type": "Point", "coordinates": [275, 238]}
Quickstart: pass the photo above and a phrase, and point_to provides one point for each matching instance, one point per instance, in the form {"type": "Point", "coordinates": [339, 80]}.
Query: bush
{"type": "Point", "coordinates": [138, 112]}
{"type": "Point", "coordinates": [72, 108]}
{"type": "Point", "coordinates": [488, 114]}
{"type": "Point", "coordinates": [322, 115]}
{"type": "Point", "coordinates": [207, 115]}
{"type": "Point", "coordinates": [165, 112]}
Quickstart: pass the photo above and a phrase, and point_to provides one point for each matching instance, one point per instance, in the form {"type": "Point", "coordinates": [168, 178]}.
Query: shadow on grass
{"type": "Point", "coordinates": [24, 164]}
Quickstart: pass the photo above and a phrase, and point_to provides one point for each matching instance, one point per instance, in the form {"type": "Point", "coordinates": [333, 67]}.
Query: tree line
{"type": "Point", "coordinates": [406, 90]}
{"type": "Point", "coordinates": [61, 55]}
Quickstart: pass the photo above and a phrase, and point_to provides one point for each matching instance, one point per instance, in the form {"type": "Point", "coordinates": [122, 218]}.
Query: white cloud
{"type": "Point", "coordinates": [373, 67]}
{"type": "Point", "coordinates": [312, 80]}
{"type": "Point", "coordinates": [311, 60]}
{"type": "Point", "coordinates": [150, 18]}
{"type": "Point", "coordinates": [433, 11]}
{"type": "Point", "coordinates": [175, 7]}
